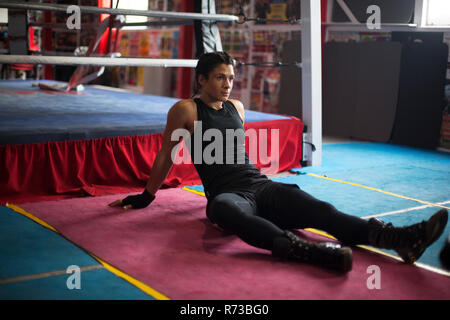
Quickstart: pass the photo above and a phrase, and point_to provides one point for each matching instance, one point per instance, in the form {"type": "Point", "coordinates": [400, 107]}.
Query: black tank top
{"type": "Point", "coordinates": [231, 169]}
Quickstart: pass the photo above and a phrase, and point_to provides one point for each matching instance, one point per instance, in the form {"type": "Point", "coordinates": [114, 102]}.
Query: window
{"type": "Point", "coordinates": [437, 13]}
{"type": "Point", "coordinates": [3, 15]}
{"type": "Point", "coordinates": [133, 4]}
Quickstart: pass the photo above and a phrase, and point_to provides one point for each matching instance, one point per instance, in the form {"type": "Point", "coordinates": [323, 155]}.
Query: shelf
{"type": "Point", "coordinates": [386, 27]}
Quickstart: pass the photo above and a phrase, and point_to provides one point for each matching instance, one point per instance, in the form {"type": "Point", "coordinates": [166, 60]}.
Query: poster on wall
{"type": "Point", "coordinates": [154, 44]}
{"type": "Point", "coordinates": [271, 90]}
{"type": "Point", "coordinates": [257, 76]}
{"type": "Point", "coordinates": [374, 36]}
{"type": "Point", "coordinates": [145, 43]}
{"type": "Point", "coordinates": [169, 44]}
{"type": "Point", "coordinates": [236, 44]}
{"type": "Point", "coordinates": [123, 47]}
{"type": "Point", "coordinates": [277, 10]}
{"type": "Point", "coordinates": [265, 87]}
{"type": "Point", "coordinates": [133, 44]}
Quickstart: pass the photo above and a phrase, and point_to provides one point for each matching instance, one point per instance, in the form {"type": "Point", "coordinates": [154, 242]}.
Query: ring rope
{"type": "Point", "coordinates": [269, 64]}
{"type": "Point", "coordinates": [96, 10]}
{"type": "Point", "coordinates": [98, 61]}
{"type": "Point", "coordinates": [127, 62]}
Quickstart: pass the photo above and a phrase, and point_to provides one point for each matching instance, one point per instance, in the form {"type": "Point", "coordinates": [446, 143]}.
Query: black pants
{"type": "Point", "coordinates": [258, 218]}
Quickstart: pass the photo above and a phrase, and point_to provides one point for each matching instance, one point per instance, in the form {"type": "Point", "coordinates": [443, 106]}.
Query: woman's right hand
{"type": "Point", "coordinates": [138, 201]}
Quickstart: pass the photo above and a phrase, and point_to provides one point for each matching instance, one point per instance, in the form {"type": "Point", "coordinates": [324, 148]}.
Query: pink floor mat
{"type": "Point", "coordinates": [172, 247]}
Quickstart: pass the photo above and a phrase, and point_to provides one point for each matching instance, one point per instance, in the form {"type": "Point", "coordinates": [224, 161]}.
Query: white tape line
{"type": "Point", "coordinates": [404, 210]}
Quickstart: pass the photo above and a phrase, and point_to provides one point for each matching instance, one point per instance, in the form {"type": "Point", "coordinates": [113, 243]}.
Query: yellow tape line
{"type": "Point", "coordinates": [117, 272]}
{"type": "Point", "coordinates": [194, 191]}
{"type": "Point", "coordinates": [30, 216]}
{"type": "Point", "coordinates": [137, 283]}
{"type": "Point", "coordinates": [379, 190]}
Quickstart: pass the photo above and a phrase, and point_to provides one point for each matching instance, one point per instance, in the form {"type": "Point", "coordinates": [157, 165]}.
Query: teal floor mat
{"type": "Point", "coordinates": [29, 249]}
{"type": "Point", "coordinates": [97, 284]}
{"type": "Point", "coordinates": [414, 173]}
{"type": "Point", "coordinates": [415, 182]}
{"type": "Point", "coordinates": [360, 155]}
{"type": "Point", "coordinates": [350, 199]}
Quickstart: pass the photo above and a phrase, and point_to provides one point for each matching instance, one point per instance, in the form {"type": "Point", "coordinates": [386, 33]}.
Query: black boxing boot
{"type": "Point", "coordinates": [328, 255]}
{"type": "Point", "coordinates": [409, 242]}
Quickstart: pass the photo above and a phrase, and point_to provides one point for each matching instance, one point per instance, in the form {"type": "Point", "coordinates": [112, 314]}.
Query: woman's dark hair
{"type": "Point", "coordinates": [207, 62]}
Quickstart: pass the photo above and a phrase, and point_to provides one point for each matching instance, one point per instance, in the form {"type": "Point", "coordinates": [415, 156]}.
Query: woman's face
{"type": "Point", "coordinates": [219, 83]}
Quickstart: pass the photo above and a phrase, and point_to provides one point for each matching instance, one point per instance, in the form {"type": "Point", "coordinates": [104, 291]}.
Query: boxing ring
{"type": "Point", "coordinates": [58, 142]}
{"type": "Point", "coordinates": [99, 141]}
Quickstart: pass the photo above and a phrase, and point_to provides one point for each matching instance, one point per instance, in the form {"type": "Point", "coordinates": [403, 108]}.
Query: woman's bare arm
{"type": "Point", "coordinates": [179, 117]}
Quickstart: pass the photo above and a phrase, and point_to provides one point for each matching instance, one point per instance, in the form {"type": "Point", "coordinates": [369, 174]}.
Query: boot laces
{"type": "Point", "coordinates": [403, 237]}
